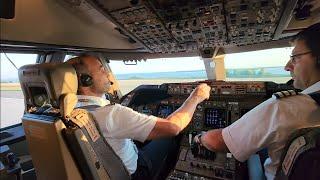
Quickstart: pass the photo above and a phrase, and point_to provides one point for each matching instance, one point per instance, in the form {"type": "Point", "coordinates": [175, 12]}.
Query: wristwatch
{"type": "Point", "coordinates": [198, 137]}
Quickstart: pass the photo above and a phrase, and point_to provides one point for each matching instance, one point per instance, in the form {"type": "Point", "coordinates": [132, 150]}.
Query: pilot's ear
{"type": "Point", "coordinates": [114, 83]}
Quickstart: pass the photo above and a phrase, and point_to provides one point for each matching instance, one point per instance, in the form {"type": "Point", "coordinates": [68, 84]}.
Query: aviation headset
{"type": "Point", "coordinates": [85, 80]}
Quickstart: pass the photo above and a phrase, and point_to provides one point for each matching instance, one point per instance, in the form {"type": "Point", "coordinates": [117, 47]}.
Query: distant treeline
{"type": "Point", "coordinates": [198, 74]}
{"type": "Point", "coordinates": [257, 72]}
{"type": "Point", "coordinates": [9, 80]}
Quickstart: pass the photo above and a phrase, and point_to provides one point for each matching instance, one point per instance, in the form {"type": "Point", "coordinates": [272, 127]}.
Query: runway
{"type": "Point", "coordinates": [12, 106]}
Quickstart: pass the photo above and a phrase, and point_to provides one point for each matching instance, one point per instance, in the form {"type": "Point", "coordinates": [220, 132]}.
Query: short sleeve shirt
{"type": "Point", "coordinates": [119, 125]}
{"type": "Point", "coordinates": [269, 125]}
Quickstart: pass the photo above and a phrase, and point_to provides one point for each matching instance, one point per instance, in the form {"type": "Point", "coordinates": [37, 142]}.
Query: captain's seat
{"type": "Point", "coordinates": [64, 142]}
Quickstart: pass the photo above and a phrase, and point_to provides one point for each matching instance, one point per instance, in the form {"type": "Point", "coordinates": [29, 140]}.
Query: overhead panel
{"type": "Point", "coordinates": [251, 22]}
{"type": "Point", "coordinates": [195, 24]}
{"type": "Point", "coordinates": [185, 26]}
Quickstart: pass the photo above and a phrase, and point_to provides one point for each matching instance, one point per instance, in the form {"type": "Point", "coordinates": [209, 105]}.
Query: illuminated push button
{"type": "Point", "coordinates": [186, 175]}
{"type": "Point", "coordinates": [229, 155]}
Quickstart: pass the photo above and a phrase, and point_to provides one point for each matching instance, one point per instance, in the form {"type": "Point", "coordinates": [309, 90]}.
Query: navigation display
{"type": "Point", "coordinates": [215, 118]}
{"type": "Point", "coordinates": [164, 111]}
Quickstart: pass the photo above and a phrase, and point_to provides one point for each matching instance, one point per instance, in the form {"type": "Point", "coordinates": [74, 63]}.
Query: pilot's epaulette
{"type": "Point", "coordinates": [287, 93]}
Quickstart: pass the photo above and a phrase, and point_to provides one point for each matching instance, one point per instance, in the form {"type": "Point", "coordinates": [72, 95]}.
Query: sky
{"type": "Point", "coordinates": [263, 58]}
{"type": "Point", "coordinates": [8, 70]}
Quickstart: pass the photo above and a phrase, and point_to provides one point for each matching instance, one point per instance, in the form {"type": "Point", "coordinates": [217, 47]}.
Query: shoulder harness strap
{"type": "Point", "coordinates": [82, 118]}
{"type": "Point", "coordinates": [300, 141]}
{"type": "Point", "coordinates": [316, 97]}
{"type": "Point", "coordinates": [104, 152]}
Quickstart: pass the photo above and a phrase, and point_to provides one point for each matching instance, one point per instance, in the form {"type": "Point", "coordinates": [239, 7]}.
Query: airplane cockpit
{"type": "Point", "coordinates": [228, 102]}
{"type": "Point", "coordinates": [134, 31]}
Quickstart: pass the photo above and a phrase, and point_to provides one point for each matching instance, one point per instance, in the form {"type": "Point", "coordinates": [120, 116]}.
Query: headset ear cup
{"type": "Point", "coordinates": [85, 80]}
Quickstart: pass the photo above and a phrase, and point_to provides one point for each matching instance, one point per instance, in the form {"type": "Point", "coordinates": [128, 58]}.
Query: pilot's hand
{"type": "Point", "coordinates": [197, 138]}
{"type": "Point", "coordinates": [201, 92]}
{"type": "Point", "coordinates": [196, 144]}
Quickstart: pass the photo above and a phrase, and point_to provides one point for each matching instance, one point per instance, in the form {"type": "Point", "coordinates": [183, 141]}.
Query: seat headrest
{"type": "Point", "coordinates": [45, 83]}
{"type": "Point", "coordinates": [67, 103]}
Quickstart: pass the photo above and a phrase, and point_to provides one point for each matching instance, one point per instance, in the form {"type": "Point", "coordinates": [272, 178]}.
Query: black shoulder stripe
{"type": "Point", "coordinates": [277, 95]}
{"type": "Point", "coordinates": [286, 93]}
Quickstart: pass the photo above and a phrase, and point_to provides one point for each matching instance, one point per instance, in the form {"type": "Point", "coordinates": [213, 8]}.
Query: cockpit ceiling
{"type": "Point", "coordinates": [157, 28]}
{"type": "Point", "coordinates": [170, 26]}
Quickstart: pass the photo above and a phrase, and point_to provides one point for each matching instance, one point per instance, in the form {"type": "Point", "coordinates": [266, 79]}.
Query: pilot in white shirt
{"type": "Point", "coordinates": [270, 124]}
{"type": "Point", "coordinates": [120, 125]}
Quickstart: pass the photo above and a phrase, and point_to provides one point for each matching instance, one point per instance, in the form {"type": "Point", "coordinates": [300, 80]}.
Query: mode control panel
{"type": "Point", "coordinates": [220, 88]}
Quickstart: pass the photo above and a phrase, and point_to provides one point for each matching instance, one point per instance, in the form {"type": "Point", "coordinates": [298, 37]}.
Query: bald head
{"type": "Point", "coordinates": [82, 63]}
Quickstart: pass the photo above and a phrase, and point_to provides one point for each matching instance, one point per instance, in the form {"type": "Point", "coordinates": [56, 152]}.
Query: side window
{"type": "Point", "coordinates": [263, 65]}
{"type": "Point", "coordinates": [12, 103]}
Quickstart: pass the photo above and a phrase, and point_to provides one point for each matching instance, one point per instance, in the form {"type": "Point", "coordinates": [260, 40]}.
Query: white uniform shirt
{"type": "Point", "coordinates": [269, 125]}
{"type": "Point", "coordinates": [120, 124]}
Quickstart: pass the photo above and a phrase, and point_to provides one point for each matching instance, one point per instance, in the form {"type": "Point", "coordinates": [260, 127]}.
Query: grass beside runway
{"type": "Point", "coordinates": [10, 87]}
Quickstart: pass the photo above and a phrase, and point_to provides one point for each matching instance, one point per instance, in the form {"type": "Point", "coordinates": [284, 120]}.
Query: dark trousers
{"type": "Point", "coordinates": [153, 158]}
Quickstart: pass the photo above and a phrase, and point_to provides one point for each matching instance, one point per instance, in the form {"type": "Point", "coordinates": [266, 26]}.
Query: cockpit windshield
{"type": "Point", "coordinates": [263, 65]}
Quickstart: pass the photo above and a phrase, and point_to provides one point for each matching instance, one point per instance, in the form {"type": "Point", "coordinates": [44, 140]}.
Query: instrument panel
{"type": "Point", "coordinates": [228, 102]}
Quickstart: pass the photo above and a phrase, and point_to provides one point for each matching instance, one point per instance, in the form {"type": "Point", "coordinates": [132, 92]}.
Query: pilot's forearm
{"type": "Point", "coordinates": [213, 141]}
{"type": "Point", "coordinates": [182, 116]}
